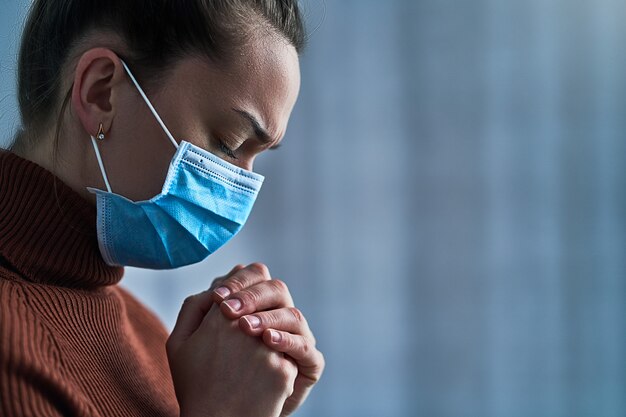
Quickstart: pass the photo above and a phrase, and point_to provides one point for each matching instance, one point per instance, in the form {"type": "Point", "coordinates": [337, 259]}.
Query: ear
{"type": "Point", "coordinates": [99, 73]}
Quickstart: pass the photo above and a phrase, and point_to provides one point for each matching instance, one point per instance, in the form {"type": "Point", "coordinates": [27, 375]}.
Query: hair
{"type": "Point", "coordinates": [155, 34]}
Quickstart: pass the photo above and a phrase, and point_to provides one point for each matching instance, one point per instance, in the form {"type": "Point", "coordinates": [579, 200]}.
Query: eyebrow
{"type": "Point", "coordinates": [259, 130]}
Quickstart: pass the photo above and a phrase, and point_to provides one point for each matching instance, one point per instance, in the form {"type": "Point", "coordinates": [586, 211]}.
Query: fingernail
{"type": "Point", "coordinates": [253, 321]}
{"type": "Point", "coordinates": [222, 292]}
{"type": "Point", "coordinates": [234, 304]}
{"type": "Point", "coordinates": [275, 336]}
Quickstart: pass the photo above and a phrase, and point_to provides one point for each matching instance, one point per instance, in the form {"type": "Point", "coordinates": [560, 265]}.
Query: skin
{"type": "Point", "coordinates": [268, 300]}
{"type": "Point", "coordinates": [200, 102]}
{"type": "Point", "coordinates": [195, 101]}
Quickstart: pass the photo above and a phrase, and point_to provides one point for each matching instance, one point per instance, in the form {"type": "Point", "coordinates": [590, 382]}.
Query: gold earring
{"type": "Point", "coordinates": [100, 134]}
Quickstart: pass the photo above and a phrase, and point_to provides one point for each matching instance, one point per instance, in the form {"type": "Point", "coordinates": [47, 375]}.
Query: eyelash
{"type": "Point", "coordinates": [229, 152]}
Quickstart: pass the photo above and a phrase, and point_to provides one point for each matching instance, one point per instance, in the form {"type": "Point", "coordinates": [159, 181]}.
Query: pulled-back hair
{"type": "Point", "coordinates": [155, 34]}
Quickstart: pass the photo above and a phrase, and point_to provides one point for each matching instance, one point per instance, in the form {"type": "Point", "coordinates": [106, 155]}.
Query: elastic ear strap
{"type": "Point", "coordinates": [104, 174]}
{"type": "Point", "coordinates": [169, 135]}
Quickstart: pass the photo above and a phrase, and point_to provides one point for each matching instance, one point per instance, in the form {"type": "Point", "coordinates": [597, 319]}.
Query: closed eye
{"type": "Point", "coordinates": [227, 151]}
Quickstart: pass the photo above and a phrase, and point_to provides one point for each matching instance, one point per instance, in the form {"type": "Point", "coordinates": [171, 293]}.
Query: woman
{"type": "Point", "coordinates": [141, 120]}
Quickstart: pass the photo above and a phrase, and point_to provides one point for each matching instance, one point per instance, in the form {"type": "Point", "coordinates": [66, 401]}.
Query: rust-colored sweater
{"type": "Point", "coordinates": [72, 341]}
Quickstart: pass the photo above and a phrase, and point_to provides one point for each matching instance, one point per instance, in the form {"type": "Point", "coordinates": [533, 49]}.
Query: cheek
{"type": "Point", "coordinates": [140, 156]}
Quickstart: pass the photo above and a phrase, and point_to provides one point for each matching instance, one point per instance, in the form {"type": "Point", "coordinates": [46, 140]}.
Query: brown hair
{"type": "Point", "coordinates": [156, 34]}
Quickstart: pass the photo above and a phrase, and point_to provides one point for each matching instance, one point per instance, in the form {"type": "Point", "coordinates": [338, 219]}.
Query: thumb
{"type": "Point", "coordinates": [194, 308]}
{"type": "Point", "coordinates": [189, 318]}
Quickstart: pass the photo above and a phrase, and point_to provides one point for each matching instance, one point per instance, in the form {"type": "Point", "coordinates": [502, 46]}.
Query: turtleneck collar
{"type": "Point", "coordinates": [47, 230]}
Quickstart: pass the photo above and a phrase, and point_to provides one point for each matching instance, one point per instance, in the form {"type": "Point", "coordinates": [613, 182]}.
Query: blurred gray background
{"type": "Point", "coordinates": [449, 207]}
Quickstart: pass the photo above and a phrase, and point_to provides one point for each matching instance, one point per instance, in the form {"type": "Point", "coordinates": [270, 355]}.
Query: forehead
{"type": "Point", "coordinates": [263, 79]}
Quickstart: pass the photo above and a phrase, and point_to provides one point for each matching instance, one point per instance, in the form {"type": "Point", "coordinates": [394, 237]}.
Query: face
{"type": "Point", "coordinates": [235, 112]}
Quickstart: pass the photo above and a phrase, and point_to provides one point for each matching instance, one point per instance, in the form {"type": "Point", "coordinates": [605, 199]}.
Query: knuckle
{"type": "Point", "coordinates": [272, 362]}
{"type": "Point", "coordinates": [297, 314]}
{"type": "Point", "coordinates": [286, 343]}
{"type": "Point", "coordinates": [261, 269]}
{"type": "Point", "coordinates": [280, 285]}
{"type": "Point", "coordinates": [238, 267]}
{"type": "Point", "coordinates": [249, 297]}
{"type": "Point", "coordinates": [236, 282]}
{"type": "Point", "coordinates": [293, 344]}
{"type": "Point", "coordinates": [189, 299]}
{"type": "Point", "coordinates": [275, 319]}
{"type": "Point", "coordinates": [320, 367]}
{"type": "Point", "coordinates": [288, 382]}
{"type": "Point", "coordinates": [216, 282]}
{"type": "Point", "coordinates": [290, 369]}
{"type": "Point", "coordinates": [320, 364]}
{"type": "Point", "coordinates": [303, 347]}
{"type": "Point", "coordinates": [282, 370]}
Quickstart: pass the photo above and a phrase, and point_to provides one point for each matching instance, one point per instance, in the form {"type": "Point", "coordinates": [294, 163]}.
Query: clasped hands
{"type": "Point", "coordinates": [260, 309]}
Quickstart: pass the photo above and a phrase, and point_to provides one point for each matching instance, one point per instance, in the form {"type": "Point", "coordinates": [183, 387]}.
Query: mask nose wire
{"type": "Point", "coordinates": [154, 112]}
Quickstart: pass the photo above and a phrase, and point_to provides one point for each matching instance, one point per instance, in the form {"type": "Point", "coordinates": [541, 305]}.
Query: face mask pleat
{"type": "Point", "coordinates": [171, 232]}
{"type": "Point", "coordinates": [203, 203]}
{"type": "Point", "coordinates": [211, 230]}
{"type": "Point", "coordinates": [218, 197]}
{"type": "Point", "coordinates": [123, 240]}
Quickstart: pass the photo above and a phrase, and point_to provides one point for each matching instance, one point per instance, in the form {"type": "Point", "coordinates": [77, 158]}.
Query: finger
{"type": "Point", "coordinates": [302, 387]}
{"type": "Point", "coordinates": [195, 308]}
{"type": "Point", "coordinates": [310, 360]}
{"type": "Point", "coordinates": [240, 279]}
{"type": "Point", "coordinates": [262, 296]}
{"type": "Point", "coordinates": [287, 319]}
{"type": "Point", "coordinates": [192, 312]}
{"type": "Point", "coordinates": [218, 281]}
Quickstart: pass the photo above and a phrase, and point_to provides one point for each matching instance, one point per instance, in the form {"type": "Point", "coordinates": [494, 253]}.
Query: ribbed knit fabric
{"type": "Point", "coordinates": [72, 341]}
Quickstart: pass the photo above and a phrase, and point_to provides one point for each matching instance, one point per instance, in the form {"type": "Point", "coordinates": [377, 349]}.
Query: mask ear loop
{"type": "Point", "coordinates": [154, 112]}
{"type": "Point", "coordinates": [104, 174]}
{"type": "Point", "coordinates": [145, 98]}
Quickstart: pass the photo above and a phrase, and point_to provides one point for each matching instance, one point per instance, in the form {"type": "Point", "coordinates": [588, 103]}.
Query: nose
{"type": "Point", "coordinates": [246, 163]}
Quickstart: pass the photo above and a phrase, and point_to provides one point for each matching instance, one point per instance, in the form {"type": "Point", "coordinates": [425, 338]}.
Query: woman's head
{"type": "Point", "coordinates": [219, 72]}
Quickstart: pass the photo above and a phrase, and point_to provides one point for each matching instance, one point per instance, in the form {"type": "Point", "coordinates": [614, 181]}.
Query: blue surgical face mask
{"type": "Point", "coordinates": [204, 202]}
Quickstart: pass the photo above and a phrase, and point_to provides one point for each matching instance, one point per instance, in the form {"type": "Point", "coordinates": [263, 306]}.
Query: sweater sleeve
{"type": "Point", "coordinates": [29, 381]}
